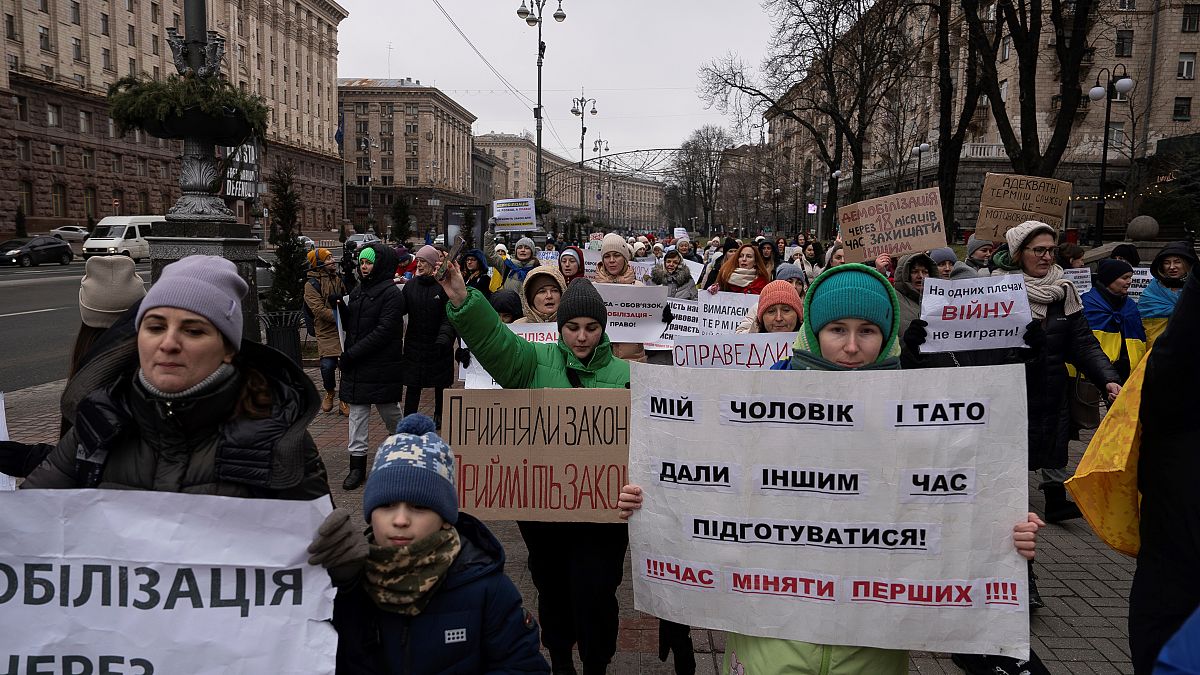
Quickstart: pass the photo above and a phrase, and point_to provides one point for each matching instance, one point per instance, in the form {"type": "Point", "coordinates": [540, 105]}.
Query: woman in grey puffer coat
{"type": "Point", "coordinates": [675, 276]}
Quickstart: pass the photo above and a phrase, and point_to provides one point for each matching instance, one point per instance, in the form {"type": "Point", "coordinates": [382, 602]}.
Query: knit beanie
{"type": "Point", "coordinates": [415, 466]}
{"type": "Point", "coordinates": [975, 243]}
{"type": "Point", "coordinates": [536, 282]}
{"type": "Point", "coordinates": [780, 292]}
{"type": "Point", "coordinates": [569, 252]}
{"type": "Point", "coordinates": [1111, 269]}
{"type": "Point", "coordinates": [1019, 235]}
{"type": "Point", "coordinates": [318, 256]}
{"type": "Point", "coordinates": [850, 294]}
{"type": "Point", "coordinates": [1128, 252]}
{"type": "Point", "coordinates": [526, 241]}
{"type": "Point", "coordinates": [109, 287]}
{"type": "Point", "coordinates": [582, 299]}
{"type": "Point", "coordinates": [730, 243]}
{"type": "Point", "coordinates": [430, 255]}
{"type": "Point", "coordinates": [614, 242]}
{"type": "Point", "coordinates": [507, 302]}
{"type": "Point", "coordinates": [500, 248]}
{"type": "Point", "coordinates": [368, 254]}
{"type": "Point", "coordinates": [786, 271]}
{"type": "Point", "coordinates": [944, 254]}
{"type": "Point", "coordinates": [963, 271]}
{"type": "Point", "coordinates": [208, 285]}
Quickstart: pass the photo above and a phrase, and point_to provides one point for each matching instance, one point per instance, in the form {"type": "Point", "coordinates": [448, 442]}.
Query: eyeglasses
{"type": "Point", "coordinates": [1041, 251]}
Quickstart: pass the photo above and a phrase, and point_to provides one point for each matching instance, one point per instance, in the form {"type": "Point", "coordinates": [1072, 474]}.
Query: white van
{"type": "Point", "coordinates": [120, 235]}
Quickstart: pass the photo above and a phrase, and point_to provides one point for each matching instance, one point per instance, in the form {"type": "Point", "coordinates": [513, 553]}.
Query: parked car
{"type": "Point", "coordinates": [35, 251]}
{"type": "Point", "coordinates": [360, 240]}
{"type": "Point", "coordinates": [264, 276]}
{"type": "Point", "coordinates": [121, 235]}
{"type": "Point", "coordinates": [70, 233]}
{"type": "Point", "coordinates": [308, 243]}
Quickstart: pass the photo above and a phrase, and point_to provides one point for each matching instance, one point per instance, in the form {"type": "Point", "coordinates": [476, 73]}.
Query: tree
{"type": "Point", "coordinates": [952, 130]}
{"type": "Point", "coordinates": [401, 227]}
{"type": "Point", "coordinates": [1021, 23]}
{"type": "Point", "coordinates": [20, 218]}
{"type": "Point", "coordinates": [287, 287]}
{"type": "Point", "coordinates": [697, 170]}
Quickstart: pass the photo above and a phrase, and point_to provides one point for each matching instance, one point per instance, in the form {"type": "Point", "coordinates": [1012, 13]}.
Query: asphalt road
{"type": "Point", "coordinates": [39, 318]}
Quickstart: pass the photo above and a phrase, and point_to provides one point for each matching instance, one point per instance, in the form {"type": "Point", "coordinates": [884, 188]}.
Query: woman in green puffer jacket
{"type": "Point", "coordinates": [576, 567]}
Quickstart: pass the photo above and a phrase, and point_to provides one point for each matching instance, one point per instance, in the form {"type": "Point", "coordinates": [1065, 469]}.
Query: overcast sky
{"type": "Point", "coordinates": [639, 59]}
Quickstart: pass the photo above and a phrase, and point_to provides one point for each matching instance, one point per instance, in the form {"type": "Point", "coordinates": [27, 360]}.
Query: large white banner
{"type": "Point", "coordinates": [122, 581]}
{"type": "Point", "coordinates": [979, 313]}
{"type": "Point", "coordinates": [634, 312]}
{"type": "Point", "coordinates": [722, 312]}
{"type": "Point", "coordinates": [870, 508]}
{"type": "Point", "coordinates": [474, 376]}
{"type": "Point", "coordinates": [750, 351]}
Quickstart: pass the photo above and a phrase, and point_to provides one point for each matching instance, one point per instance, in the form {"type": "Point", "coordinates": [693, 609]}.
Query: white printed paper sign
{"type": "Point", "coordinates": [870, 508]}
{"type": "Point", "coordinates": [1081, 277]}
{"type": "Point", "coordinates": [980, 313]}
{"type": "Point", "coordinates": [548, 258]}
{"type": "Point", "coordinates": [1141, 279]}
{"type": "Point", "coordinates": [750, 351]}
{"type": "Point", "coordinates": [685, 320]}
{"type": "Point", "coordinates": [97, 581]}
{"type": "Point", "coordinates": [7, 483]}
{"type": "Point", "coordinates": [723, 312]}
{"type": "Point", "coordinates": [695, 269]}
{"type": "Point", "coordinates": [475, 377]}
{"type": "Point", "coordinates": [591, 260]}
{"type": "Point", "coordinates": [634, 312]}
{"type": "Point", "coordinates": [514, 215]}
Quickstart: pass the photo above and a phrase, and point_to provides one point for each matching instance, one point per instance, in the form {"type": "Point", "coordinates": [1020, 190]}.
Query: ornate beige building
{"type": "Point", "coordinates": [62, 162]}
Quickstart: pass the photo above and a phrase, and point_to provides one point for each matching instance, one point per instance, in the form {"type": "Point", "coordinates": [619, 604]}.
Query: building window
{"type": "Point", "coordinates": [385, 127]}
{"type": "Point", "coordinates": [141, 167]}
{"type": "Point", "coordinates": [80, 80]}
{"type": "Point", "coordinates": [143, 202]}
{"type": "Point", "coordinates": [103, 24]}
{"type": "Point", "coordinates": [385, 145]}
{"type": "Point", "coordinates": [89, 158]}
{"type": "Point", "coordinates": [132, 66]}
{"type": "Point", "coordinates": [75, 12]}
{"type": "Point", "coordinates": [22, 105]}
{"type": "Point", "coordinates": [131, 35]}
{"type": "Point", "coordinates": [175, 20]}
{"type": "Point", "coordinates": [58, 200]}
{"type": "Point", "coordinates": [1127, 4]}
{"type": "Point", "coordinates": [155, 12]}
{"type": "Point", "coordinates": [363, 164]}
{"type": "Point", "coordinates": [89, 202]}
{"type": "Point", "coordinates": [118, 164]}
{"type": "Point", "coordinates": [23, 150]}
{"type": "Point", "coordinates": [85, 122]}
{"type": "Point", "coordinates": [56, 154]}
{"type": "Point", "coordinates": [410, 109]}
{"type": "Point", "coordinates": [387, 109]}
{"type": "Point", "coordinates": [53, 115]}
{"type": "Point", "coordinates": [387, 164]}
{"type": "Point", "coordinates": [128, 5]}
{"type": "Point", "coordinates": [360, 128]}
{"type": "Point", "coordinates": [112, 128]}
{"type": "Point", "coordinates": [154, 45]}
{"type": "Point", "coordinates": [359, 108]}
{"type": "Point", "coordinates": [106, 58]}
{"type": "Point", "coordinates": [1005, 48]}
{"type": "Point", "coordinates": [10, 27]}
{"type": "Point", "coordinates": [1116, 134]}
{"type": "Point", "coordinates": [43, 5]}
{"type": "Point", "coordinates": [1004, 91]}
{"type": "Point", "coordinates": [1124, 45]}
{"type": "Point", "coordinates": [26, 197]}
{"type": "Point", "coordinates": [44, 38]}
{"type": "Point", "coordinates": [1183, 109]}
{"type": "Point", "coordinates": [1191, 19]}
{"type": "Point", "coordinates": [410, 127]}
{"type": "Point", "coordinates": [1187, 66]}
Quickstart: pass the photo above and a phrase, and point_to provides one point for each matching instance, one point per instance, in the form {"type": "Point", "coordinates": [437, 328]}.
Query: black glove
{"type": "Point", "coordinates": [1035, 337]}
{"type": "Point", "coordinates": [20, 459]}
{"type": "Point", "coordinates": [463, 356]}
{"type": "Point", "coordinates": [915, 335]}
{"type": "Point", "coordinates": [667, 315]}
{"type": "Point", "coordinates": [340, 547]}
{"type": "Point", "coordinates": [676, 637]}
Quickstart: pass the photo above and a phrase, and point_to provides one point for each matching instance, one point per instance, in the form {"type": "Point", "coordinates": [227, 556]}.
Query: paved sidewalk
{"type": "Point", "coordinates": [1085, 584]}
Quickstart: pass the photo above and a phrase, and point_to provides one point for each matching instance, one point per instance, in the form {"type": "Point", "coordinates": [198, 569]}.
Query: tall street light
{"type": "Point", "coordinates": [534, 18]}
{"type": "Point", "coordinates": [578, 108]}
{"type": "Point", "coordinates": [600, 147]}
{"type": "Point", "coordinates": [1118, 82]}
{"type": "Point", "coordinates": [917, 151]}
{"type": "Point", "coordinates": [775, 208]}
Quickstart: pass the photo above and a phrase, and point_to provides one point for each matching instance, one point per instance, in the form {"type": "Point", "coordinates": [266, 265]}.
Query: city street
{"type": "Point", "coordinates": [39, 318]}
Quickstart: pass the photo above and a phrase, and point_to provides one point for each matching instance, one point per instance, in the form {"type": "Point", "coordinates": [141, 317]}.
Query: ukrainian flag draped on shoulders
{"type": "Point", "coordinates": [1156, 305]}
{"type": "Point", "coordinates": [1116, 323]}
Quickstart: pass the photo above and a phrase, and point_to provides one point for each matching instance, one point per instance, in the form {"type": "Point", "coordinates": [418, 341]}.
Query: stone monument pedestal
{"type": "Point", "coordinates": [173, 240]}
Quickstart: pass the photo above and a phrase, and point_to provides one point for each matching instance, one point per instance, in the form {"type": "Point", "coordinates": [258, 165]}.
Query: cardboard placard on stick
{"type": "Point", "coordinates": [539, 454]}
{"type": "Point", "coordinates": [897, 224]}
{"type": "Point", "coordinates": [1008, 200]}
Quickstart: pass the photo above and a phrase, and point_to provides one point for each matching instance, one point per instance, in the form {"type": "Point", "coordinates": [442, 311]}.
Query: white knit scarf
{"type": "Point", "coordinates": [1049, 289]}
{"type": "Point", "coordinates": [743, 276]}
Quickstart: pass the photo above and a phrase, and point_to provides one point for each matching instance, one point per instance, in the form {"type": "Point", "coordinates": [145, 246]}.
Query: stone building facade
{"type": "Point", "coordinates": [61, 160]}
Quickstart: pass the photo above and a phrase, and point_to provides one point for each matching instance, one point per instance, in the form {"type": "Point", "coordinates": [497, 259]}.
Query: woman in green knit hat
{"type": "Point", "coordinates": [851, 322]}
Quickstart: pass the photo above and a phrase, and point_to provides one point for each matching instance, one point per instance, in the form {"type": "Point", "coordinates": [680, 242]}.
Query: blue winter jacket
{"type": "Point", "coordinates": [474, 623]}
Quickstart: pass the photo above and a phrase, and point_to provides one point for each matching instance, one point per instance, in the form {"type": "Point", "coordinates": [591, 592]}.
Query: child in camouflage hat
{"type": "Point", "coordinates": [434, 597]}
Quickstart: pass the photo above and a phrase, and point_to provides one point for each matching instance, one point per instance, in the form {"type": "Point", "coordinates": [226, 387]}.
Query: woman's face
{"type": "Point", "coordinates": [1120, 286]}
{"type": "Point", "coordinates": [614, 263]}
{"type": "Point", "coordinates": [545, 300]}
{"type": "Point", "coordinates": [850, 343]}
{"type": "Point", "coordinates": [809, 251]}
{"type": "Point", "coordinates": [581, 336]}
{"type": "Point", "coordinates": [767, 250]}
{"type": "Point", "coordinates": [945, 268]}
{"type": "Point", "coordinates": [1175, 267]}
{"type": "Point", "coordinates": [798, 284]}
{"type": "Point", "coordinates": [1037, 257]}
{"type": "Point", "coordinates": [424, 269]}
{"type": "Point", "coordinates": [524, 253]}
{"type": "Point", "coordinates": [177, 348]}
{"type": "Point", "coordinates": [982, 253]}
{"type": "Point", "coordinates": [917, 276]}
{"type": "Point", "coordinates": [472, 263]}
{"type": "Point", "coordinates": [364, 267]}
{"type": "Point", "coordinates": [671, 264]}
{"type": "Point", "coordinates": [780, 319]}
{"type": "Point", "coordinates": [780, 244]}
{"type": "Point", "coordinates": [745, 257]}
{"type": "Point", "coordinates": [568, 265]}
{"type": "Point", "coordinates": [839, 258]}
{"type": "Point", "coordinates": [1076, 263]}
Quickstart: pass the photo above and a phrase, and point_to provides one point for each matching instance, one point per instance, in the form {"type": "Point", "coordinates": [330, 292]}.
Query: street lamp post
{"type": "Point", "coordinates": [1117, 82]}
{"type": "Point", "coordinates": [534, 18]}
{"type": "Point", "coordinates": [578, 108]}
{"type": "Point", "coordinates": [775, 208]}
{"type": "Point", "coordinates": [365, 143]}
{"type": "Point", "coordinates": [918, 151]}
{"type": "Point", "coordinates": [600, 146]}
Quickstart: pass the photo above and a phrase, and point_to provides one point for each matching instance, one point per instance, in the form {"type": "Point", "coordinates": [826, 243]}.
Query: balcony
{"type": "Point", "coordinates": [983, 151]}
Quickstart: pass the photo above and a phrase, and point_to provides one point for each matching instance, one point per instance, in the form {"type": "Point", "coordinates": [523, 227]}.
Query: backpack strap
{"type": "Point", "coordinates": [573, 377]}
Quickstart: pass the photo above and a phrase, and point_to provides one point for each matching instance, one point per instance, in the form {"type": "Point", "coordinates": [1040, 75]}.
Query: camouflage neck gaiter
{"type": "Point", "coordinates": [401, 579]}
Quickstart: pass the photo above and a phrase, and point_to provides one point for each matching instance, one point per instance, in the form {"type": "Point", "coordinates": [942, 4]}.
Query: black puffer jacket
{"type": "Point", "coordinates": [429, 342]}
{"type": "Point", "coordinates": [126, 438]}
{"type": "Point", "coordinates": [1165, 590]}
{"type": "Point", "coordinates": [1068, 340]}
{"type": "Point", "coordinates": [374, 321]}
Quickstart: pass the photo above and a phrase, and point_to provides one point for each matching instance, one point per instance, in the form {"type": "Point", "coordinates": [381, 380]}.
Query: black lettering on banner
{"type": "Point", "coordinates": [239, 598]}
{"type": "Point", "coordinates": [147, 587]}
{"type": "Point", "coordinates": [75, 664]}
{"type": "Point", "coordinates": [184, 587]}
{"type": "Point", "coordinates": [294, 583]}
{"type": "Point", "coordinates": [670, 406]}
{"type": "Point", "coordinates": [85, 593]}
{"type": "Point", "coordinates": [940, 413]}
{"type": "Point", "coordinates": [810, 480]}
{"type": "Point", "coordinates": [915, 537]}
{"type": "Point", "coordinates": [711, 476]}
{"type": "Point", "coordinates": [33, 584]}
{"type": "Point", "coordinates": [941, 485]}
{"type": "Point", "coordinates": [789, 412]}
{"type": "Point", "coordinates": [10, 583]}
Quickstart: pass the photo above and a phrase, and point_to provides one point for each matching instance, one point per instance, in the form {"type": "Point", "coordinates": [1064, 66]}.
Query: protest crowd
{"type": "Point", "coordinates": [165, 395]}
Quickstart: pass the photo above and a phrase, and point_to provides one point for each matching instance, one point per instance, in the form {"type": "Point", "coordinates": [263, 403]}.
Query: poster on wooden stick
{"type": "Point", "coordinates": [897, 225]}
{"type": "Point", "coordinates": [1008, 200]}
